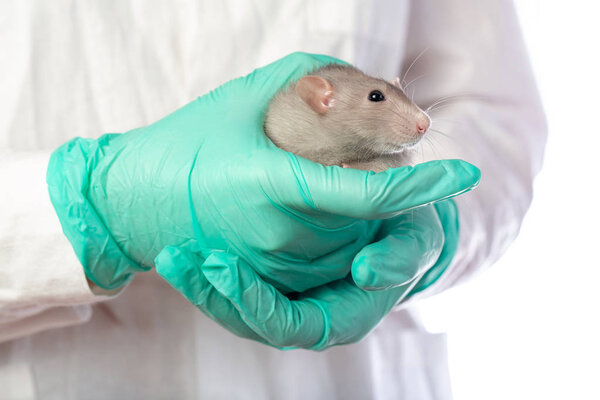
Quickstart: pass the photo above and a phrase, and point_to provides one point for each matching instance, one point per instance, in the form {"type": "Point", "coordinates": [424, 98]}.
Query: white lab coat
{"type": "Point", "coordinates": [73, 68]}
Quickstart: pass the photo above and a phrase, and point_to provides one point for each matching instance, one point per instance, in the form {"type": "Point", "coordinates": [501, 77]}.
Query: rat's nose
{"type": "Point", "coordinates": [423, 123]}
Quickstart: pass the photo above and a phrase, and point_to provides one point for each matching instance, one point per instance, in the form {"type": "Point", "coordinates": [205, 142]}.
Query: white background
{"type": "Point", "coordinates": [529, 327]}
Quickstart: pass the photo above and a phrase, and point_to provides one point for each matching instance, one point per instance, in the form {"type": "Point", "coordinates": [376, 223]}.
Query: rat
{"type": "Point", "coordinates": [338, 115]}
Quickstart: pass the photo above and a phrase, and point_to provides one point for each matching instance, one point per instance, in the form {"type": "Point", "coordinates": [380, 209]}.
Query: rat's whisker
{"type": "Point", "coordinates": [440, 133]}
{"type": "Point", "coordinates": [435, 120]}
{"type": "Point", "coordinates": [403, 81]}
{"type": "Point", "coordinates": [422, 153]}
{"type": "Point", "coordinates": [458, 97]}
{"type": "Point", "coordinates": [433, 151]}
{"type": "Point", "coordinates": [434, 140]}
{"type": "Point", "coordinates": [438, 102]}
{"type": "Point", "coordinates": [435, 147]}
{"type": "Point", "coordinates": [415, 80]}
{"type": "Point", "coordinates": [439, 107]}
{"type": "Point", "coordinates": [437, 134]}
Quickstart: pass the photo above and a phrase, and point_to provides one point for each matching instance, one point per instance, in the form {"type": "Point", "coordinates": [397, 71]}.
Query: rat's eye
{"type": "Point", "coordinates": [376, 95]}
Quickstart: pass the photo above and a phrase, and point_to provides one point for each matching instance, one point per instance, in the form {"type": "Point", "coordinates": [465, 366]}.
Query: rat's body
{"type": "Point", "coordinates": [341, 116]}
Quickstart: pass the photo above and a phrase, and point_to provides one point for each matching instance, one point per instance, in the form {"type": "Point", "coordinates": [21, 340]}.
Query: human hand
{"type": "Point", "coordinates": [229, 291]}
{"type": "Point", "coordinates": [207, 178]}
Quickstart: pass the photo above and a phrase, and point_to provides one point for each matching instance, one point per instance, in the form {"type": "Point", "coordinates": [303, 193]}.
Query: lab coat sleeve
{"type": "Point", "coordinates": [474, 57]}
{"type": "Point", "coordinates": [42, 283]}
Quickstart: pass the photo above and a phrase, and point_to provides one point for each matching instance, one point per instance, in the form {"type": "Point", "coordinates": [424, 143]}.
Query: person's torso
{"type": "Point", "coordinates": [83, 69]}
{"type": "Point", "coordinates": [90, 68]}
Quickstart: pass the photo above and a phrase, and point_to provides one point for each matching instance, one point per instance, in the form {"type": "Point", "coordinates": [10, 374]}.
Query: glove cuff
{"type": "Point", "coordinates": [67, 176]}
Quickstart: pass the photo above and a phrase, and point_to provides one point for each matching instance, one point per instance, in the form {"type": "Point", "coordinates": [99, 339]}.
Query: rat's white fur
{"type": "Point", "coordinates": [355, 132]}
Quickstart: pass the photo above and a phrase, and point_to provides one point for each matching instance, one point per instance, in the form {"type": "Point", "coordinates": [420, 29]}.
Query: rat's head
{"type": "Point", "coordinates": [367, 115]}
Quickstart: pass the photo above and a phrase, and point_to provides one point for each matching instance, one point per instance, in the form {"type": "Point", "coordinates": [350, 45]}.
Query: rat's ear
{"type": "Point", "coordinates": [316, 92]}
{"type": "Point", "coordinates": [396, 82]}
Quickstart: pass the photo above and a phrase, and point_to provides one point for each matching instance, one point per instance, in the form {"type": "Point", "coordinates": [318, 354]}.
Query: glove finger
{"type": "Point", "coordinates": [281, 321]}
{"type": "Point", "coordinates": [365, 194]}
{"type": "Point", "coordinates": [181, 269]}
{"type": "Point", "coordinates": [448, 215]}
{"type": "Point", "coordinates": [350, 311]}
{"type": "Point", "coordinates": [412, 244]}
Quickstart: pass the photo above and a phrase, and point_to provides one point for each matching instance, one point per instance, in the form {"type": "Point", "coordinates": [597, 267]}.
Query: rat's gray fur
{"type": "Point", "coordinates": [354, 132]}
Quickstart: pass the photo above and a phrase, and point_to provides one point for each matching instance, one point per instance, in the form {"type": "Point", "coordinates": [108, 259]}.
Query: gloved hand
{"type": "Point", "coordinates": [229, 291]}
{"type": "Point", "coordinates": [206, 178]}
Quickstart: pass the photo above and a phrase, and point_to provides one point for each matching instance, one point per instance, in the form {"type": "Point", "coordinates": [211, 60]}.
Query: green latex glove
{"type": "Point", "coordinates": [230, 292]}
{"type": "Point", "coordinates": [206, 178]}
